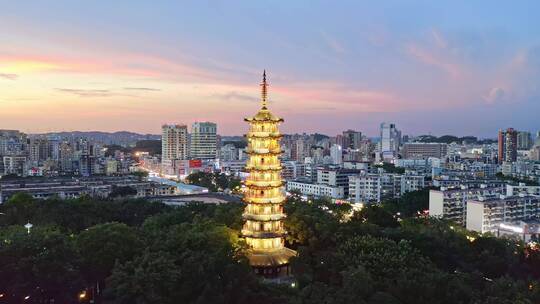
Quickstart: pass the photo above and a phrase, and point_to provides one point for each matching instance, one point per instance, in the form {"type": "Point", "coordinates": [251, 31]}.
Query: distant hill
{"type": "Point", "coordinates": [146, 145]}
{"type": "Point", "coordinates": [122, 138]}
{"type": "Point", "coordinates": [448, 139]}
{"type": "Point", "coordinates": [319, 137]}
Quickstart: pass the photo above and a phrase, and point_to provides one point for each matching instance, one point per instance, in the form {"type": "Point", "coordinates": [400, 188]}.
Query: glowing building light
{"type": "Point", "coordinates": [264, 194]}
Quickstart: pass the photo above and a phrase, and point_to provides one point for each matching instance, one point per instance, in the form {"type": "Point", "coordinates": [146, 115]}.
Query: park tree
{"type": "Point", "coordinates": [104, 245]}
{"type": "Point", "coordinates": [122, 191]}
{"type": "Point", "coordinates": [42, 265]}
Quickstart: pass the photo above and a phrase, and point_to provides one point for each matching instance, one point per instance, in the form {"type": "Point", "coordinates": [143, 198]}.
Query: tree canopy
{"type": "Point", "coordinates": [214, 181]}
{"type": "Point", "coordinates": [136, 251]}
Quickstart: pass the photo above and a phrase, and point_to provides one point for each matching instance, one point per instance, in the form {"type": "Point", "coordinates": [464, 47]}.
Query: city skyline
{"type": "Point", "coordinates": [461, 69]}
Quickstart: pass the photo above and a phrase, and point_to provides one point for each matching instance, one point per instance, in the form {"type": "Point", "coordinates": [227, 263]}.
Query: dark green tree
{"type": "Point", "coordinates": [42, 265]}
{"type": "Point", "coordinates": [122, 191]}
{"type": "Point", "coordinates": [104, 245]}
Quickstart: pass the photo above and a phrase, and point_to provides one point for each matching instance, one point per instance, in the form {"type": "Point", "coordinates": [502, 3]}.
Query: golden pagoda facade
{"type": "Point", "coordinates": [264, 194]}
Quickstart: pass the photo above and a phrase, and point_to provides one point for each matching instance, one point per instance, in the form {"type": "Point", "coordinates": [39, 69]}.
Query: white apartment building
{"type": "Point", "coordinates": [203, 143]}
{"type": "Point", "coordinates": [337, 177]}
{"type": "Point", "coordinates": [522, 189]}
{"type": "Point", "coordinates": [228, 153]}
{"type": "Point", "coordinates": [451, 204]}
{"type": "Point", "coordinates": [370, 187]}
{"type": "Point", "coordinates": [15, 165]}
{"type": "Point", "coordinates": [525, 231]}
{"type": "Point", "coordinates": [409, 183]}
{"type": "Point", "coordinates": [486, 215]}
{"type": "Point", "coordinates": [377, 187]}
{"type": "Point", "coordinates": [317, 190]}
{"type": "Point", "coordinates": [174, 142]}
{"type": "Point", "coordinates": [292, 170]}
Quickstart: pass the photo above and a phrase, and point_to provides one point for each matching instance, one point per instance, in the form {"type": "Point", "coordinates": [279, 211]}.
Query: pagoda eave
{"type": "Point", "coordinates": [264, 153]}
{"type": "Point", "coordinates": [265, 187]}
{"type": "Point", "coordinates": [270, 259]}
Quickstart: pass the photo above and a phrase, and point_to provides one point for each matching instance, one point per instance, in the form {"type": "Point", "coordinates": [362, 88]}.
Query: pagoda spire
{"type": "Point", "coordinates": [264, 91]}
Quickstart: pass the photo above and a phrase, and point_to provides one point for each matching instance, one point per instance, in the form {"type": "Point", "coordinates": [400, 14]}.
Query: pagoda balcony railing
{"type": "Point", "coordinates": [262, 183]}
{"type": "Point", "coordinates": [264, 135]}
{"type": "Point", "coordinates": [260, 167]}
{"type": "Point", "coordinates": [264, 200]}
{"type": "Point", "coordinates": [264, 151]}
{"type": "Point", "coordinates": [263, 217]}
{"type": "Point", "coordinates": [263, 234]}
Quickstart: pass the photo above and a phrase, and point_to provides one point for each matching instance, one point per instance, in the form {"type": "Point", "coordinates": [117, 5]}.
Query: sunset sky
{"type": "Point", "coordinates": [462, 67]}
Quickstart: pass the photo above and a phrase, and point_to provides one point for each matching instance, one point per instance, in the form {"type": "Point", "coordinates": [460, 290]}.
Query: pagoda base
{"type": "Point", "coordinates": [271, 264]}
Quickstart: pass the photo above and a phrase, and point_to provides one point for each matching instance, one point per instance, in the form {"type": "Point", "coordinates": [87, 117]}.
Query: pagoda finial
{"type": "Point", "coordinates": [264, 86]}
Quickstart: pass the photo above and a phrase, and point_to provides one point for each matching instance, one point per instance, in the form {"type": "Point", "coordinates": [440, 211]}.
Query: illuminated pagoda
{"type": "Point", "coordinates": [264, 195]}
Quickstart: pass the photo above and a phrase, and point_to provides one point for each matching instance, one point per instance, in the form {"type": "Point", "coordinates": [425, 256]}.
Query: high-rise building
{"type": "Point", "coordinates": [174, 142]}
{"type": "Point", "coordinates": [352, 139]}
{"type": "Point", "coordinates": [390, 141]}
{"type": "Point", "coordinates": [507, 145]}
{"type": "Point", "coordinates": [524, 140]}
{"type": "Point", "coordinates": [336, 153]}
{"type": "Point", "coordinates": [264, 195]}
{"type": "Point", "coordinates": [203, 144]}
{"type": "Point", "coordinates": [299, 150]}
{"type": "Point", "coordinates": [341, 140]}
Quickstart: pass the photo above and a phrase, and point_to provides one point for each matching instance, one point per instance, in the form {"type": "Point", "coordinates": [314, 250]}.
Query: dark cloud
{"type": "Point", "coordinates": [233, 95]}
{"type": "Point", "coordinates": [86, 93]}
{"type": "Point", "coordinates": [141, 89]}
{"type": "Point", "coordinates": [9, 76]}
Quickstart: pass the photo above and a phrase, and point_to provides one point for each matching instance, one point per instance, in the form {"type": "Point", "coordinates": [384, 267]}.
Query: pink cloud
{"type": "Point", "coordinates": [339, 96]}
{"type": "Point", "coordinates": [431, 59]}
{"type": "Point", "coordinates": [117, 64]}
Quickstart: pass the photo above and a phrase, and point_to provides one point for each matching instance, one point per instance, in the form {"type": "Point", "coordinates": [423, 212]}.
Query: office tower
{"type": "Point", "coordinates": [507, 145]}
{"type": "Point", "coordinates": [340, 140]}
{"type": "Point", "coordinates": [263, 226]}
{"type": "Point", "coordinates": [67, 156]}
{"type": "Point", "coordinates": [524, 140]}
{"type": "Point", "coordinates": [203, 144]}
{"type": "Point", "coordinates": [336, 154]}
{"type": "Point", "coordinates": [174, 142]}
{"type": "Point", "coordinates": [54, 147]}
{"type": "Point", "coordinates": [352, 139]}
{"type": "Point", "coordinates": [390, 141]}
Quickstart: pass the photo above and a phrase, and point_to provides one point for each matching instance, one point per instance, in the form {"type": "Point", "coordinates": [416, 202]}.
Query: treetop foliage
{"type": "Point", "coordinates": [136, 251]}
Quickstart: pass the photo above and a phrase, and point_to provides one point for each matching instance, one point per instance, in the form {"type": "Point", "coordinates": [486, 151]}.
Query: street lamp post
{"type": "Point", "coordinates": [28, 226]}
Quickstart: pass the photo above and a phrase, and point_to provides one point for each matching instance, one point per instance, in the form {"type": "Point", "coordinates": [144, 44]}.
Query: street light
{"type": "Point", "coordinates": [82, 295]}
{"type": "Point", "coordinates": [28, 226]}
